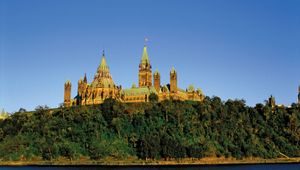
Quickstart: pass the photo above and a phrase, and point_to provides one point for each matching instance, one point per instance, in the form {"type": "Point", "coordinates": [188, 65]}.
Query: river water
{"type": "Point", "coordinates": [209, 167]}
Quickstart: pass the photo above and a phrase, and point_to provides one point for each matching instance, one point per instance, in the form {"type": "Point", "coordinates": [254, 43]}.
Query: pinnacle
{"type": "Point", "coordinates": [173, 70]}
{"type": "Point", "coordinates": [145, 58]}
{"type": "Point", "coordinates": [103, 65]}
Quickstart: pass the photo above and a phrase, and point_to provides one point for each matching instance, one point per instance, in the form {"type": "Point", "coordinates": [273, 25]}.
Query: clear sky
{"type": "Point", "coordinates": [237, 49]}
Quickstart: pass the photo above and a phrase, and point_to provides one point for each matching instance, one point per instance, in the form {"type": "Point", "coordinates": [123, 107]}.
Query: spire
{"type": "Point", "coordinates": [145, 58]}
{"type": "Point", "coordinates": [156, 72]}
{"type": "Point", "coordinates": [103, 77]}
{"type": "Point", "coordinates": [173, 70]}
{"type": "Point", "coordinates": [103, 66]}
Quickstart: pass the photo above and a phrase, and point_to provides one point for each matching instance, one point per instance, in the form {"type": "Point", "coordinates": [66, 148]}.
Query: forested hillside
{"type": "Point", "coordinates": [156, 130]}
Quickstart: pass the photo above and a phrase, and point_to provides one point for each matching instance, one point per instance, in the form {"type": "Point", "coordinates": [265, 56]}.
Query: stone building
{"type": "Point", "coordinates": [271, 101]}
{"type": "Point", "coordinates": [103, 87]}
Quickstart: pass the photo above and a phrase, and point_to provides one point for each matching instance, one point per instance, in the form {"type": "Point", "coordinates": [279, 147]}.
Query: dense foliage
{"type": "Point", "coordinates": [155, 130]}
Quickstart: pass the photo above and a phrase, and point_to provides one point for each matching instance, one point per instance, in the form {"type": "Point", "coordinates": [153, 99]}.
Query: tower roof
{"type": "Point", "coordinates": [199, 91]}
{"type": "Point", "coordinates": [191, 88]}
{"type": "Point", "coordinates": [68, 82]}
{"type": "Point", "coordinates": [139, 91]}
{"type": "Point", "coordinates": [103, 66]}
{"type": "Point", "coordinates": [156, 72]}
{"type": "Point", "coordinates": [145, 58]}
{"type": "Point", "coordinates": [173, 70]}
{"type": "Point", "coordinates": [103, 77]}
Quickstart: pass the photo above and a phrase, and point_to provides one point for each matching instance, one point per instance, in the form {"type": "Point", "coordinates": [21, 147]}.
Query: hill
{"type": "Point", "coordinates": [156, 130]}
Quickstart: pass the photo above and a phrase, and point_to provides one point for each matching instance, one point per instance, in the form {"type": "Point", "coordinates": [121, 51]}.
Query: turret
{"type": "Point", "coordinates": [85, 79]}
{"type": "Point", "coordinates": [67, 94]}
{"type": "Point", "coordinates": [191, 88]}
{"type": "Point", "coordinates": [82, 83]}
{"type": "Point", "coordinates": [272, 101]}
{"type": "Point", "coordinates": [145, 72]}
{"type": "Point", "coordinates": [173, 80]}
{"type": "Point", "coordinates": [156, 79]}
{"type": "Point", "coordinates": [103, 69]}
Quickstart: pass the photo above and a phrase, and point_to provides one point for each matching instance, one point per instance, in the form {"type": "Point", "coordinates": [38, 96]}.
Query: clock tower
{"type": "Point", "coordinates": [145, 70]}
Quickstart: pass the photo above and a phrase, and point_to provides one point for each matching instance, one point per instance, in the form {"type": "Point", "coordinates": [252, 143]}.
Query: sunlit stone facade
{"type": "Point", "coordinates": [103, 87]}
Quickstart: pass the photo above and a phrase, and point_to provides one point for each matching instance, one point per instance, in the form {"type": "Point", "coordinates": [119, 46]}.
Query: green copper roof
{"type": "Point", "coordinates": [181, 90]}
{"type": "Point", "coordinates": [156, 72]}
{"type": "Point", "coordinates": [199, 91]}
{"type": "Point", "coordinates": [173, 70]}
{"type": "Point", "coordinates": [145, 58]}
{"type": "Point", "coordinates": [103, 82]}
{"type": "Point", "coordinates": [165, 89]}
{"type": "Point", "coordinates": [139, 91]}
{"type": "Point", "coordinates": [68, 82]}
{"type": "Point", "coordinates": [103, 66]}
{"type": "Point", "coordinates": [191, 88]}
{"type": "Point", "coordinates": [133, 85]}
{"type": "Point", "coordinates": [102, 77]}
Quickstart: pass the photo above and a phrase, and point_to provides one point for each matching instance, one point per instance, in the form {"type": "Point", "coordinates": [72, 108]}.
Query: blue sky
{"type": "Point", "coordinates": [244, 49]}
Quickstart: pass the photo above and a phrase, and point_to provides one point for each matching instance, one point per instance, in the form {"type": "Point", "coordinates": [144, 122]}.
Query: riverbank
{"type": "Point", "coordinates": [136, 162]}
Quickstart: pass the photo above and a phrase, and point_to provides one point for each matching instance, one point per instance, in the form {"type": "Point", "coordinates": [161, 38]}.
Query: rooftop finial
{"type": "Point", "coordinates": [103, 53]}
{"type": "Point", "coordinates": [145, 58]}
{"type": "Point", "coordinates": [145, 41]}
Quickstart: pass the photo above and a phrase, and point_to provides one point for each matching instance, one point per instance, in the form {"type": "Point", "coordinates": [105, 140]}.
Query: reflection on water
{"type": "Point", "coordinates": [219, 167]}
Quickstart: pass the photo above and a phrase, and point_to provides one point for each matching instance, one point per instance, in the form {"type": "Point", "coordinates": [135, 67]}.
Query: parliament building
{"type": "Point", "coordinates": [103, 87]}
